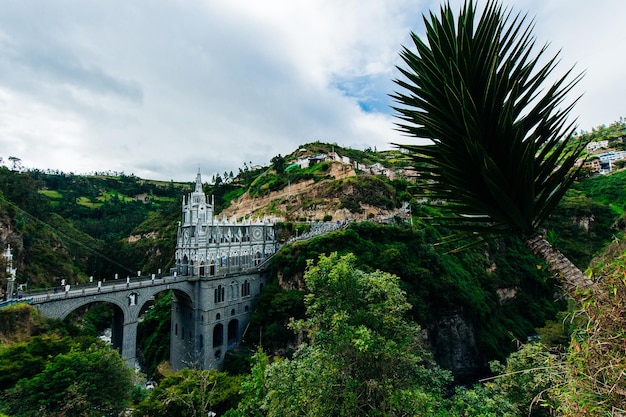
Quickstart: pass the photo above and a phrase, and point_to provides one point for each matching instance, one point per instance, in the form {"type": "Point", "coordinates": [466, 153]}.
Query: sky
{"type": "Point", "coordinates": [161, 89]}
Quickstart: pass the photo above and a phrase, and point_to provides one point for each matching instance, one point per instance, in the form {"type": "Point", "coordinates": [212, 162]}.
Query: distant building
{"type": "Point", "coordinates": [309, 161]}
{"type": "Point", "coordinates": [607, 159]}
{"type": "Point", "coordinates": [603, 163]}
{"type": "Point", "coordinates": [378, 169]}
{"type": "Point", "coordinates": [593, 146]}
{"type": "Point", "coordinates": [10, 273]}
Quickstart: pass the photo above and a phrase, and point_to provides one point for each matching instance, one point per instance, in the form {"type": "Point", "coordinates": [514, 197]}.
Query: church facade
{"type": "Point", "coordinates": [209, 247]}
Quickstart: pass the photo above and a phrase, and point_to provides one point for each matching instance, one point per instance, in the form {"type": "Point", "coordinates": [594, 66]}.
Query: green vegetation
{"type": "Point", "coordinates": [436, 284]}
{"type": "Point", "coordinates": [153, 334]}
{"type": "Point", "coordinates": [80, 228]}
{"type": "Point", "coordinates": [593, 382]}
{"type": "Point", "coordinates": [581, 225]}
{"type": "Point", "coordinates": [273, 181]}
{"type": "Point", "coordinates": [191, 393]}
{"type": "Point", "coordinates": [608, 190]}
{"type": "Point", "coordinates": [70, 227]}
{"type": "Point", "coordinates": [363, 357]}
{"type": "Point", "coordinates": [79, 383]}
{"type": "Point", "coordinates": [613, 133]}
{"type": "Point", "coordinates": [51, 368]}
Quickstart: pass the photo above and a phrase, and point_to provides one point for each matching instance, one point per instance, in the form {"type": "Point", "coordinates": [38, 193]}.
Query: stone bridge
{"type": "Point", "coordinates": [209, 314]}
{"type": "Point", "coordinates": [218, 275]}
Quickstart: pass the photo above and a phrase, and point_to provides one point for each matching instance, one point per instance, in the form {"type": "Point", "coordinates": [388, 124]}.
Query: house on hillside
{"type": "Point", "coordinates": [378, 169]}
{"type": "Point", "coordinates": [607, 159]}
{"type": "Point", "coordinates": [309, 161]}
{"type": "Point", "coordinates": [336, 157]}
{"type": "Point", "coordinates": [592, 164]}
{"type": "Point", "coordinates": [374, 169]}
{"type": "Point", "coordinates": [600, 144]}
{"type": "Point", "coordinates": [603, 163]}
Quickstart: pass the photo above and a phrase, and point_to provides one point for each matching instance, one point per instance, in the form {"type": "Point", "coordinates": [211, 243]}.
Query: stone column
{"type": "Point", "coordinates": [129, 342]}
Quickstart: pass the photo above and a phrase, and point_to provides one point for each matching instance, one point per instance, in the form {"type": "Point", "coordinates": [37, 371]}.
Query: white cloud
{"type": "Point", "coordinates": [159, 89]}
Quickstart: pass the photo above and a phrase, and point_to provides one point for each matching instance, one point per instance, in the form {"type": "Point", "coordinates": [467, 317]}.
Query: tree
{"type": "Point", "coordinates": [16, 163]}
{"type": "Point", "coordinates": [279, 163]}
{"type": "Point", "coordinates": [191, 393]}
{"type": "Point", "coordinates": [502, 157]}
{"type": "Point", "coordinates": [364, 357]}
{"type": "Point", "coordinates": [92, 382]}
{"type": "Point", "coordinates": [530, 380]}
{"type": "Point", "coordinates": [27, 359]}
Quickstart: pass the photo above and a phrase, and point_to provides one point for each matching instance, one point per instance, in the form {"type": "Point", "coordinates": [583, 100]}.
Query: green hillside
{"type": "Point", "coordinates": [65, 226]}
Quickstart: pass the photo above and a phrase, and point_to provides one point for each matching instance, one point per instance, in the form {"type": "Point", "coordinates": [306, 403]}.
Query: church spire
{"type": "Point", "coordinates": [198, 182]}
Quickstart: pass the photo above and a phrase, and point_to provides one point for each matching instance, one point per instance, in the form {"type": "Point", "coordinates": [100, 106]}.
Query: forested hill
{"type": "Point", "coordinates": [75, 226]}
{"type": "Point", "coordinates": [475, 306]}
{"type": "Point", "coordinates": [66, 226]}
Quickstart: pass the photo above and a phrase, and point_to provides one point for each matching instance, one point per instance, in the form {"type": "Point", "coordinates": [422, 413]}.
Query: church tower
{"type": "Point", "coordinates": [224, 260]}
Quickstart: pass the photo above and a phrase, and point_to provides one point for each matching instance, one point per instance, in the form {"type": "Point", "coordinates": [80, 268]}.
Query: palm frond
{"type": "Point", "coordinates": [476, 87]}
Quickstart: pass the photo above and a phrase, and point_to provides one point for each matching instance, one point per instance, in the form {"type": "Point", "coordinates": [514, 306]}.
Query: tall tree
{"type": "Point", "coordinates": [364, 357]}
{"type": "Point", "coordinates": [501, 156]}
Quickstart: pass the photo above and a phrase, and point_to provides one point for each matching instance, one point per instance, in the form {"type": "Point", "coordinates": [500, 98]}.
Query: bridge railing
{"type": "Point", "coordinates": [103, 287]}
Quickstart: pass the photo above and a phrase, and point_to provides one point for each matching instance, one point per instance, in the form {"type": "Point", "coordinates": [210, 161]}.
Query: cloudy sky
{"type": "Point", "coordinates": [161, 88]}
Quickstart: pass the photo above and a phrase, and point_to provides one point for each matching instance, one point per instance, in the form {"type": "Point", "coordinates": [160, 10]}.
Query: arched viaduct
{"type": "Point", "coordinates": [209, 314]}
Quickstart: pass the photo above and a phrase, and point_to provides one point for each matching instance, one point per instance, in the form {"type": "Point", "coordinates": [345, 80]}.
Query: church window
{"type": "Point", "coordinates": [219, 294]}
{"type": "Point", "coordinates": [245, 288]}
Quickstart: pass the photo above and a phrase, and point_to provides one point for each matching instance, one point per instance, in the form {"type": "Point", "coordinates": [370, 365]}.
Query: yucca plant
{"type": "Point", "coordinates": [500, 157]}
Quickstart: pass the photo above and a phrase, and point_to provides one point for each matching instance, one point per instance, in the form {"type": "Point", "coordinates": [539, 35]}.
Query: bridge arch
{"type": "Point", "coordinates": [129, 300]}
{"type": "Point", "coordinates": [62, 310]}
